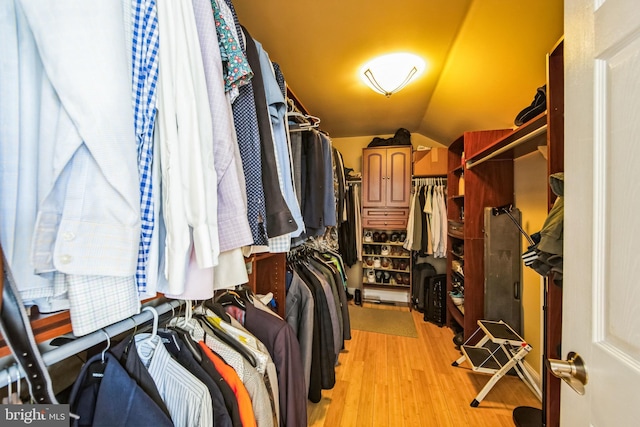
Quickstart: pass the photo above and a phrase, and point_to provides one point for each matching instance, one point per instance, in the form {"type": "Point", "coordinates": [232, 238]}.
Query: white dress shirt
{"type": "Point", "coordinates": [77, 214]}
{"type": "Point", "coordinates": [189, 181]}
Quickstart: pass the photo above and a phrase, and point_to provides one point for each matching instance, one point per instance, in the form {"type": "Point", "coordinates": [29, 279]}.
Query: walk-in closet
{"type": "Point", "coordinates": [234, 213]}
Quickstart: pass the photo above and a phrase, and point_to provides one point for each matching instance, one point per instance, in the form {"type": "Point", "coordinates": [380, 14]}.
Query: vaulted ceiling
{"type": "Point", "coordinates": [485, 59]}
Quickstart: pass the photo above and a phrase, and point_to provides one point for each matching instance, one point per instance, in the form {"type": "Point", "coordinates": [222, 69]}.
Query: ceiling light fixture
{"type": "Point", "coordinates": [390, 73]}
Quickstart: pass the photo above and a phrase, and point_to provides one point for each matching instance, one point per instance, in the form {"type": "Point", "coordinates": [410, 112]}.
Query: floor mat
{"type": "Point", "coordinates": [390, 322]}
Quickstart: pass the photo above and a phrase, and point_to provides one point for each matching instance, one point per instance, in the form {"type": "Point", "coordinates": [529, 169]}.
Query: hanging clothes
{"type": "Point", "coordinates": [318, 312]}
{"type": "Point", "coordinates": [244, 118]}
{"type": "Point", "coordinates": [300, 313]}
{"type": "Point", "coordinates": [112, 398]}
{"type": "Point", "coordinates": [348, 230]}
{"type": "Point", "coordinates": [178, 349]}
{"type": "Point", "coordinates": [279, 219]}
{"type": "Point", "coordinates": [186, 397]}
{"type": "Point", "coordinates": [185, 136]}
{"type": "Point", "coordinates": [81, 206]}
{"type": "Point", "coordinates": [427, 224]}
{"type": "Point", "coordinates": [231, 377]}
{"type": "Point", "coordinates": [233, 227]}
{"type": "Point", "coordinates": [277, 109]}
{"type": "Point", "coordinates": [284, 348]}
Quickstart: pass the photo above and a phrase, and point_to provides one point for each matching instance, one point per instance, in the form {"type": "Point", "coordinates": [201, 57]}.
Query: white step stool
{"type": "Point", "coordinates": [488, 361]}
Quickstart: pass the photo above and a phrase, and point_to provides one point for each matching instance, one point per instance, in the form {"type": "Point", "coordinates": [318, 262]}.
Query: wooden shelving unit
{"type": "Point", "coordinates": [485, 160]}
{"type": "Point", "coordinates": [267, 274]}
{"type": "Point", "coordinates": [490, 183]}
{"type": "Point", "coordinates": [399, 278]}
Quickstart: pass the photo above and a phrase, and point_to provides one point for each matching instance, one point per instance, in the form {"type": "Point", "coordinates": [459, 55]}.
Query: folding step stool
{"type": "Point", "coordinates": [488, 361]}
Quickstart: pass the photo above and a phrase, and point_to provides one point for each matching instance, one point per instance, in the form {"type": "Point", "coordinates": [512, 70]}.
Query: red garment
{"type": "Point", "coordinates": [231, 377]}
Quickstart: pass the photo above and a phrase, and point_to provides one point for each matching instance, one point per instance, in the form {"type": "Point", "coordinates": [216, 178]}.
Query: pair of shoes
{"type": "Point", "coordinates": [368, 236]}
{"type": "Point", "coordinates": [349, 296]}
{"type": "Point", "coordinates": [371, 276]}
{"type": "Point", "coordinates": [384, 250]}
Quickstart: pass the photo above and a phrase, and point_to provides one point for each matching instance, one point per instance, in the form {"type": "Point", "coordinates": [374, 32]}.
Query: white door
{"type": "Point", "coordinates": [601, 290]}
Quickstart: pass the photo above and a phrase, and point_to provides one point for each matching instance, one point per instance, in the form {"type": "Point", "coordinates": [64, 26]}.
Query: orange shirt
{"type": "Point", "coordinates": [231, 377]}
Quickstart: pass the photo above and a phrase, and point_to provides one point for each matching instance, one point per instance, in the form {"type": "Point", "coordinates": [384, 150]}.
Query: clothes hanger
{"type": "Point", "coordinates": [12, 398]}
{"type": "Point", "coordinates": [9, 387]}
{"type": "Point", "coordinates": [231, 297]}
{"type": "Point", "coordinates": [154, 330]}
{"type": "Point", "coordinates": [218, 309]}
{"type": "Point", "coordinates": [185, 337]}
{"type": "Point", "coordinates": [245, 293]}
{"type": "Point", "coordinates": [308, 121]}
{"type": "Point", "coordinates": [184, 328]}
{"type": "Point", "coordinates": [107, 347]}
{"type": "Point", "coordinates": [215, 331]}
{"type": "Point", "coordinates": [96, 370]}
{"type": "Point", "coordinates": [125, 354]}
{"type": "Point", "coordinates": [18, 387]}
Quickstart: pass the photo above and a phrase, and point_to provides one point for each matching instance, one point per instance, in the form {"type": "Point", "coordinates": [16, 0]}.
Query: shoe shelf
{"type": "Point", "coordinates": [385, 262]}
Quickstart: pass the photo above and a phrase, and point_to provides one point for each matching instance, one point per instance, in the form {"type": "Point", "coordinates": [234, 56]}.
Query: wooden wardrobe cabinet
{"type": "Point", "coordinates": [386, 186]}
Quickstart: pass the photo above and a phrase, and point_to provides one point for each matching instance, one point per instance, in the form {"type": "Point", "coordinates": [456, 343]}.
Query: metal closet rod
{"type": "Point", "coordinates": [80, 344]}
{"type": "Point", "coordinates": [522, 139]}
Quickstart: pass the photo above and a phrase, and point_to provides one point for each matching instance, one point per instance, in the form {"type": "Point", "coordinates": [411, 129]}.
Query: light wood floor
{"type": "Point", "coordinates": [386, 380]}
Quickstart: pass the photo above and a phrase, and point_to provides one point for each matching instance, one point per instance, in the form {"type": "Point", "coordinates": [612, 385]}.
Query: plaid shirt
{"type": "Point", "coordinates": [144, 80]}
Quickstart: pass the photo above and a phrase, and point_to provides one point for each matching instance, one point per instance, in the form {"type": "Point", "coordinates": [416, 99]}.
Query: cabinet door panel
{"type": "Point", "coordinates": [374, 176]}
{"type": "Point", "coordinates": [398, 178]}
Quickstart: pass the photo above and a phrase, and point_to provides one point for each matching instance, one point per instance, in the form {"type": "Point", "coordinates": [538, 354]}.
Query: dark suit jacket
{"type": "Point", "coordinates": [279, 218]}
{"type": "Point", "coordinates": [314, 181]}
{"type": "Point", "coordinates": [137, 371]}
{"type": "Point", "coordinates": [300, 316]}
{"type": "Point", "coordinates": [113, 400]}
{"type": "Point", "coordinates": [324, 365]}
{"type": "Point", "coordinates": [181, 353]}
{"type": "Point", "coordinates": [282, 344]}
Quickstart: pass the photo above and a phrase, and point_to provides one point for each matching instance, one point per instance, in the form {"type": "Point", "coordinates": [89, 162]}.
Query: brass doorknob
{"type": "Point", "coordinates": [573, 371]}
